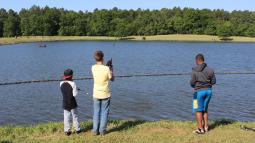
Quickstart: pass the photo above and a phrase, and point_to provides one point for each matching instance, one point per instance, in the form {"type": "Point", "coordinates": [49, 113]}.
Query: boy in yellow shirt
{"type": "Point", "coordinates": [101, 93]}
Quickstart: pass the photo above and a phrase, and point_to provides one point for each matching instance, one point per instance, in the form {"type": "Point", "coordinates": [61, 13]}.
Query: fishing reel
{"type": "Point", "coordinates": [109, 64]}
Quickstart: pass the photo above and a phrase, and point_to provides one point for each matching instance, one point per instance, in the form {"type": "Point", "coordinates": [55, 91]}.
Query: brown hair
{"type": "Point", "coordinates": [99, 56]}
{"type": "Point", "coordinates": [200, 57]}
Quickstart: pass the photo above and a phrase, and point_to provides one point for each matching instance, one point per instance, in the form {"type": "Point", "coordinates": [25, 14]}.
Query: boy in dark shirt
{"type": "Point", "coordinates": [203, 78]}
{"type": "Point", "coordinates": [69, 92]}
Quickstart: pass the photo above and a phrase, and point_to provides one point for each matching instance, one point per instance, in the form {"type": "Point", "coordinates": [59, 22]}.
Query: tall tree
{"type": "Point", "coordinates": [3, 16]}
{"type": "Point", "coordinates": [225, 29]}
{"type": "Point", "coordinates": [250, 31]}
{"type": "Point", "coordinates": [100, 23]}
{"type": "Point", "coordinates": [51, 19]}
{"type": "Point", "coordinates": [67, 23]}
{"type": "Point", "coordinates": [11, 24]}
{"type": "Point", "coordinates": [37, 21]}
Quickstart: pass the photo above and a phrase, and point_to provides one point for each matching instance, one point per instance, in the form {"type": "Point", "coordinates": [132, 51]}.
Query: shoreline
{"type": "Point", "coordinates": [136, 131]}
{"type": "Point", "coordinates": [173, 38]}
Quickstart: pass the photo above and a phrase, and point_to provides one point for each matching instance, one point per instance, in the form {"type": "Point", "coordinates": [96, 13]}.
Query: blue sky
{"type": "Point", "coordinates": [130, 4]}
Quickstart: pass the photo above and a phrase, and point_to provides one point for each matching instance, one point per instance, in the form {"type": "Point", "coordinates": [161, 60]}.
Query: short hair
{"type": "Point", "coordinates": [99, 56]}
{"type": "Point", "coordinates": [200, 57]}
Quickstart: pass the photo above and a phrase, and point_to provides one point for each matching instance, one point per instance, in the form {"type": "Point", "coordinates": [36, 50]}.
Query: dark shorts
{"type": "Point", "coordinates": [201, 100]}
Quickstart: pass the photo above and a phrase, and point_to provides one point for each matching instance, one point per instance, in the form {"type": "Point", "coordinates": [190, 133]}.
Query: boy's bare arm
{"type": "Point", "coordinates": [112, 75]}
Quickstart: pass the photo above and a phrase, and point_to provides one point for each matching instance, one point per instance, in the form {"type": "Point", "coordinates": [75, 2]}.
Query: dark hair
{"type": "Point", "coordinates": [68, 74]}
{"type": "Point", "coordinates": [99, 56]}
{"type": "Point", "coordinates": [200, 57]}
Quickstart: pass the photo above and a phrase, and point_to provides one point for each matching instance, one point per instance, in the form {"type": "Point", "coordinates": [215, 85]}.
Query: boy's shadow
{"type": "Point", "coordinates": [126, 125]}
{"type": "Point", "coordinates": [221, 122]}
{"type": "Point", "coordinates": [85, 128]}
{"type": "Point", "coordinates": [5, 142]}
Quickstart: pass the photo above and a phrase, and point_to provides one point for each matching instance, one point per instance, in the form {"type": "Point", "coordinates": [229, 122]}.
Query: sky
{"type": "Point", "coordinates": [90, 5]}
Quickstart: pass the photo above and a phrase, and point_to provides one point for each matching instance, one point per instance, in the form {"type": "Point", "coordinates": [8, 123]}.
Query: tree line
{"type": "Point", "coordinates": [46, 21]}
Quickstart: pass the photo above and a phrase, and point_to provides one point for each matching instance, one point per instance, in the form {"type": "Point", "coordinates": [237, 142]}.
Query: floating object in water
{"type": "Point", "coordinates": [43, 46]}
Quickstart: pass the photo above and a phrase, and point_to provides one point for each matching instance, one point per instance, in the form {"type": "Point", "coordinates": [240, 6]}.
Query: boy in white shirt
{"type": "Point", "coordinates": [69, 92]}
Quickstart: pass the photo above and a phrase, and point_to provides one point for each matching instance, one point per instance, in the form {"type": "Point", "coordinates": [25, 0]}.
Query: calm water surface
{"type": "Point", "coordinates": [145, 98]}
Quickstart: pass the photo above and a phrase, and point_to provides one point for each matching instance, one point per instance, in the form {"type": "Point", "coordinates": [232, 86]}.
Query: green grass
{"type": "Point", "coordinates": [131, 132]}
{"type": "Point", "coordinates": [25, 39]}
{"type": "Point", "coordinates": [174, 37]}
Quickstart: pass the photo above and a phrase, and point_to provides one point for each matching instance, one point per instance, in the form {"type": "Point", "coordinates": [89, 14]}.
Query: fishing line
{"type": "Point", "coordinates": [124, 76]}
{"type": "Point", "coordinates": [82, 91]}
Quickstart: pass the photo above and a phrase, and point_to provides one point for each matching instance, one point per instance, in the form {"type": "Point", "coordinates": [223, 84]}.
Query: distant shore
{"type": "Point", "coordinates": [121, 131]}
{"type": "Point", "coordinates": [174, 37]}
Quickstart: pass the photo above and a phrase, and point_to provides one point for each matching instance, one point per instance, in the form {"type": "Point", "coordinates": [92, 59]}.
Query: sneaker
{"type": "Point", "coordinates": [94, 133]}
{"type": "Point", "coordinates": [78, 132]}
{"type": "Point", "coordinates": [103, 133]}
{"type": "Point", "coordinates": [206, 129]}
{"type": "Point", "coordinates": [199, 131]}
{"type": "Point", "coordinates": [68, 133]}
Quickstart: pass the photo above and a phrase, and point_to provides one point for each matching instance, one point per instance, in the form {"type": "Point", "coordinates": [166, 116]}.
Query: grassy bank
{"type": "Point", "coordinates": [175, 37]}
{"type": "Point", "coordinates": [26, 39]}
{"type": "Point", "coordinates": [132, 132]}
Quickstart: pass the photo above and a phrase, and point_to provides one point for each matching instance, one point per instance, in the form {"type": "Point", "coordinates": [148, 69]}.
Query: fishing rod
{"type": "Point", "coordinates": [247, 128]}
{"type": "Point", "coordinates": [82, 91]}
{"type": "Point", "coordinates": [125, 76]}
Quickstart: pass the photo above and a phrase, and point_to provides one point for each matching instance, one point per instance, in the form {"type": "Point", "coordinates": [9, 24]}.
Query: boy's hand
{"type": "Point", "coordinates": [109, 64]}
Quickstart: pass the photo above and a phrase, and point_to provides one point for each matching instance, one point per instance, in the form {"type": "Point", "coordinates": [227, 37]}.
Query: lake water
{"type": "Point", "coordinates": [145, 98]}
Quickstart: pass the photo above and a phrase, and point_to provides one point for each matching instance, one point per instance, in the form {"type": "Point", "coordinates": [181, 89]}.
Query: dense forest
{"type": "Point", "coordinates": [46, 21]}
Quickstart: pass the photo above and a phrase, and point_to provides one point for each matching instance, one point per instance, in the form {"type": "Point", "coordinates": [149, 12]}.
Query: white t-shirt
{"type": "Point", "coordinates": [73, 85]}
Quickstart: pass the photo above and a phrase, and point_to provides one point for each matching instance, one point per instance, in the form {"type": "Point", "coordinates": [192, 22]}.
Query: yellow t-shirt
{"type": "Point", "coordinates": [101, 76]}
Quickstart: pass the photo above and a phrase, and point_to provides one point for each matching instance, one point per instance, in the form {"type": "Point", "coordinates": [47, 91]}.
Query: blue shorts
{"type": "Point", "coordinates": [201, 100]}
